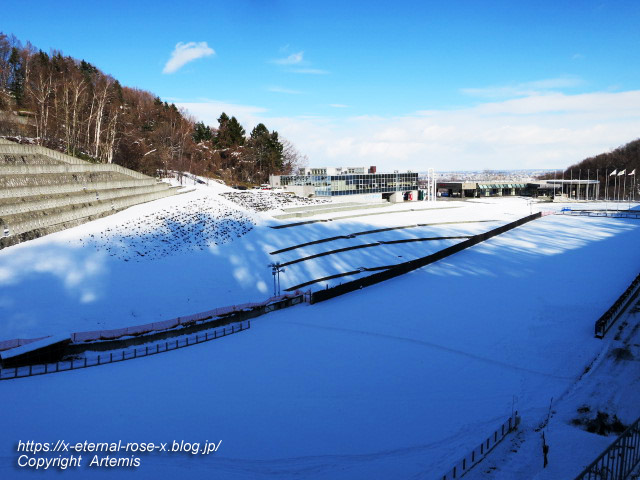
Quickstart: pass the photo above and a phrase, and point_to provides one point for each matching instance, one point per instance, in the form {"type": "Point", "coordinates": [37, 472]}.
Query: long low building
{"type": "Point", "coordinates": [573, 189]}
{"type": "Point", "coordinates": [351, 182]}
{"type": "Point", "coordinates": [472, 189]}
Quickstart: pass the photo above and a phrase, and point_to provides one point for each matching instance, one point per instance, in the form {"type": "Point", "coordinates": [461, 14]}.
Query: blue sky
{"type": "Point", "coordinates": [418, 84]}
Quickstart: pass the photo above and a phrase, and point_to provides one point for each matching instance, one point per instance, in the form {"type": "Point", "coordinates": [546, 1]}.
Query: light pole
{"type": "Point", "coordinates": [276, 269]}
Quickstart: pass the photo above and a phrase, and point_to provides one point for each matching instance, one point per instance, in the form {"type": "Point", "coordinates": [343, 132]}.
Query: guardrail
{"type": "Point", "coordinates": [481, 451]}
{"type": "Point", "coordinates": [618, 460]}
{"type": "Point", "coordinates": [606, 321]}
{"type": "Point", "coordinates": [119, 356]}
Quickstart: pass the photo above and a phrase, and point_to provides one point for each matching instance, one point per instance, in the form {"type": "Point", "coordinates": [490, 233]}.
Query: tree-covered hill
{"type": "Point", "coordinates": [72, 106]}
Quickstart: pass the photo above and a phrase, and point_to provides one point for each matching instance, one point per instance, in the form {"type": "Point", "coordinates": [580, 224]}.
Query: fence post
{"type": "Point", "coordinates": [135, 352]}
{"type": "Point", "coordinates": [146, 350]}
{"type": "Point", "coordinates": [187, 341]}
{"type": "Point", "coordinates": [111, 357]}
{"type": "Point", "coordinates": [215, 334]}
{"type": "Point", "coordinates": [85, 362]}
{"type": "Point", "coordinates": [98, 359]}
{"type": "Point", "coordinates": [57, 366]}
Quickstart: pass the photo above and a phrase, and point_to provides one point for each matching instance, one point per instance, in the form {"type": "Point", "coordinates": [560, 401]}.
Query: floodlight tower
{"type": "Point", "coordinates": [276, 269]}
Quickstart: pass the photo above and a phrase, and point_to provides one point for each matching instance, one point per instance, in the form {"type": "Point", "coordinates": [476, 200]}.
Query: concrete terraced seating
{"type": "Point", "coordinates": [43, 191]}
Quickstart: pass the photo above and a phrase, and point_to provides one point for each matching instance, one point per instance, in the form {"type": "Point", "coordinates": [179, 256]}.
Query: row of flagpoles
{"type": "Point", "coordinates": [616, 185]}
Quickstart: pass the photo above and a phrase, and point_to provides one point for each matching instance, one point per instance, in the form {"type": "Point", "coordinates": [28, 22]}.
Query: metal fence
{"type": "Point", "coordinates": [604, 323]}
{"type": "Point", "coordinates": [481, 451]}
{"type": "Point", "coordinates": [119, 356]}
{"type": "Point", "coordinates": [603, 213]}
{"type": "Point", "coordinates": [617, 461]}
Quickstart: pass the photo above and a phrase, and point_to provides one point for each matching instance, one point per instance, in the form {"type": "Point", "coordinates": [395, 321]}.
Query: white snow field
{"type": "Point", "coordinates": [199, 251]}
{"type": "Point", "coordinates": [398, 380]}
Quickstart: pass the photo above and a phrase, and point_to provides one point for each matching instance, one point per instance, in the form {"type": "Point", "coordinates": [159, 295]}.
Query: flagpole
{"type": "Point", "coordinates": [578, 186]}
{"type": "Point", "coordinates": [570, 184]}
{"type": "Point", "coordinates": [587, 187]}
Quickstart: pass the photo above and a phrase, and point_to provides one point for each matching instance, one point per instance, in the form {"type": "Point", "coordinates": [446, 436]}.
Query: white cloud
{"type": "Point", "coordinates": [338, 105]}
{"type": "Point", "coordinates": [293, 59]}
{"type": "Point", "coordinates": [184, 53]}
{"type": "Point", "coordinates": [524, 89]}
{"type": "Point", "coordinates": [539, 131]}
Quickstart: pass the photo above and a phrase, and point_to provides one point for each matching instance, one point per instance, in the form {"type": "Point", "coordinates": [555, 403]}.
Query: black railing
{"type": "Point", "coordinates": [481, 451]}
{"type": "Point", "coordinates": [121, 355]}
{"type": "Point", "coordinates": [604, 323]}
{"type": "Point", "coordinates": [617, 461]}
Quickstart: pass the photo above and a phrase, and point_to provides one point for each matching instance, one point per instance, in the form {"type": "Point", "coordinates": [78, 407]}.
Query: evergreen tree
{"type": "Point", "coordinates": [230, 133]}
{"type": "Point", "coordinates": [267, 150]}
{"type": "Point", "coordinates": [201, 132]}
{"type": "Point", "coordinates": [17, 74]}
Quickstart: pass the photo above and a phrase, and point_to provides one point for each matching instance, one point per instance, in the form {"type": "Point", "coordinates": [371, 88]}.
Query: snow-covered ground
{"type": "Point", "coordinates": [198, 251]}
{"type": "Point", "coordinates": [398, 380]}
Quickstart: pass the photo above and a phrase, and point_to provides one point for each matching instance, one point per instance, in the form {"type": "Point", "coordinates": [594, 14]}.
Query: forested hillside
{"type": "Point", "coordinates": [70, 105]}
{"type": "Point", "coordinates": [626, 157]}
{"type": "Point", "coordinates": [622, 162]}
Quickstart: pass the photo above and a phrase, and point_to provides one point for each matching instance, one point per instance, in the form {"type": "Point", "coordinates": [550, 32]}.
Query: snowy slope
{"type": "Point", "coordinates": [199, 251]}
{"type": "Point", "coordinates": [398, 380]}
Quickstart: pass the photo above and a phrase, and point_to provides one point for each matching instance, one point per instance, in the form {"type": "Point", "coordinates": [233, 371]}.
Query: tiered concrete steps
{"type": "Point", "coordinates": [43, 191]}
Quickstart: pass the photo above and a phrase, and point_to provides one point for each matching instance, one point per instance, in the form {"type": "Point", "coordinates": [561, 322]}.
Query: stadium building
{"type": "Point", "coordinates": [350, 183]}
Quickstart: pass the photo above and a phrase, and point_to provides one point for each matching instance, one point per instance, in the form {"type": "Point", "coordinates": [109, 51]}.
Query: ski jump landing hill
{"type": "Point", "coordinates": [43, 191]}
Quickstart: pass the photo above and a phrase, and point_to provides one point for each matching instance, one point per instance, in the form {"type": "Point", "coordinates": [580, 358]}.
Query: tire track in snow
{"type": "Point", "coordinates": [437, 347]}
